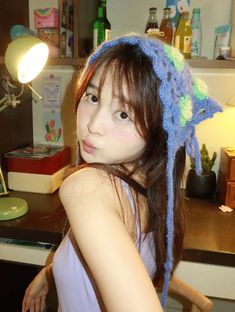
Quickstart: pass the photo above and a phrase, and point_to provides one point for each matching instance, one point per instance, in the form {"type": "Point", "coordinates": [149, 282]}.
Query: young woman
{"type": "Point", "coordinates": [137, 106]}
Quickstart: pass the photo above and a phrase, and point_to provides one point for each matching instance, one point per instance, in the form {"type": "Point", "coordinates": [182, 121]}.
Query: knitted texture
{"type": "Point", "coordinates": [185, 102]}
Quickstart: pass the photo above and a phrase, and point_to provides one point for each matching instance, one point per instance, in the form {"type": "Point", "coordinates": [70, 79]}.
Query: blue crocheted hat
{"type": "Point", "coordinates": [185, 102]}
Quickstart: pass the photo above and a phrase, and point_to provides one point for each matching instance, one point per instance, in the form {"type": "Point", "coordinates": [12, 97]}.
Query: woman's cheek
{"type": "Point", "coordinates": [83, 112]}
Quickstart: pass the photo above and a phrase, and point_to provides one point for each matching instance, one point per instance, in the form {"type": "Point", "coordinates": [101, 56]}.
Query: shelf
{"type": "Point", "coordinates": [212, 63]}
{"type": "Point", "coordinates": [192, 63]}
{"type": "Point", "coordinates": [73, 61]}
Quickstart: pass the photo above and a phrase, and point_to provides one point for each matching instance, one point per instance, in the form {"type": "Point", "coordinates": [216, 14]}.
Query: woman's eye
{"type": "Point", "coordinates": [93, 98]}
{"type": "Point", "coordinates": [122, 115]}
{"type": "Point", "coordinates": [89, 97]}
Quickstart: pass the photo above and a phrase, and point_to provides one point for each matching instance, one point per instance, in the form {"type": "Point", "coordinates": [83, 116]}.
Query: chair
{"type": "Point", "coordinates": [199, 301]}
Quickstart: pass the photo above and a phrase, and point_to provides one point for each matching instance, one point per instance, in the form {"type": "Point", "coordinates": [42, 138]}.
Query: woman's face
{"type": "Point", "coordinates": [105, 129]}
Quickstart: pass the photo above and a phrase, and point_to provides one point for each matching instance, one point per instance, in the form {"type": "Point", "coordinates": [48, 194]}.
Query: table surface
{"type": "Point", "coordinates": [209, 236]}
{"type": "Point", "coordinates": [209, 233]}
{"type": "Point", "coordinates": [45, 220]}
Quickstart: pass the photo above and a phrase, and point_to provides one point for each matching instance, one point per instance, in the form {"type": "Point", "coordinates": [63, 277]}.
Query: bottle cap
{"type": "Point", "coordinates": [167, 9]}
{"type": "Point", "coordinates": [185, 13]}
{"type": "Point", "coordinates": [152, 9]}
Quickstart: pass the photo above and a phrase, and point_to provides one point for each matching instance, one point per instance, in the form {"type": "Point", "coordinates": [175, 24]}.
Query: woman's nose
{"type": "Point", "coordinates": [96, 123]}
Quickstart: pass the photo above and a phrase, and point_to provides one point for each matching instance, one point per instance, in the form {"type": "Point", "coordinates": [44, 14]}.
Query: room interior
{"type": "Point", "coordinates": [209, 243]}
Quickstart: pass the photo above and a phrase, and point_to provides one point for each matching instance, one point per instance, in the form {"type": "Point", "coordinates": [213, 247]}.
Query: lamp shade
{"type": "Point", "coordinates": [25, 58]}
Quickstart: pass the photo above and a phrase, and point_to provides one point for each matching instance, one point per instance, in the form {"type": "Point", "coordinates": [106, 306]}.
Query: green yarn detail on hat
{"type": "Point", "coordinates": [200, 89]}
{"type": "Point", "coordinates": [185, 110]}
{"type": "Point", "coordinates": [175, 57]}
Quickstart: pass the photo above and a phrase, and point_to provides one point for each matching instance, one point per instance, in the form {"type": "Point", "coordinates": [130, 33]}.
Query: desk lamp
{"type": "Point", "coordinates": [25, 57]}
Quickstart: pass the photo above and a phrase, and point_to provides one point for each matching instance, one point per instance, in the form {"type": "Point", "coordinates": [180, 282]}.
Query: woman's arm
{"type": "Point", "coordinates": [35, 295]}
{"type": "Point", "coordinates": [93, 210]}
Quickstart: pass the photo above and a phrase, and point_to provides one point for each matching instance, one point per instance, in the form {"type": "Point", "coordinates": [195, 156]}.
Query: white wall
{"type": "Point", "coordinates": [128, 16]}
{"type": "Point", "coordinates": [210, 280]}
{"type": "Point", "coordinates": [220, 130]}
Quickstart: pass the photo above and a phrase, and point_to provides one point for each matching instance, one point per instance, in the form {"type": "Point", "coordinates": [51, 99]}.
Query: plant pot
{"type": "Point", "coordinates": [200, 186]}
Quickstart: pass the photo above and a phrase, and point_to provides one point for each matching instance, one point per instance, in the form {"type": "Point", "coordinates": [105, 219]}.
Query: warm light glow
{"type": "Point", "coordinates": [25, 58]}
{"type": "Point", "coordinates": [32, 62]}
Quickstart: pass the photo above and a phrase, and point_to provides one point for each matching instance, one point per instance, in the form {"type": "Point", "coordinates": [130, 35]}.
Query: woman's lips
{"type": "Point", "coordinates": [88, 147]}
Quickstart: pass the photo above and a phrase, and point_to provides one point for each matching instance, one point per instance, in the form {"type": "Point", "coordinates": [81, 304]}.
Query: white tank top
{"type": "Point", "coordinates": [74, 286]}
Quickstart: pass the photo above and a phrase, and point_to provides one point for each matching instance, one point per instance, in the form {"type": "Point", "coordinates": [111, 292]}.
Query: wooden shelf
{"type": "Point", "coordinates": [211, 64]}
{"type": "Point", "coordinates": [76, 61]}
{"type": "Point", "coordinates": [73, 61]}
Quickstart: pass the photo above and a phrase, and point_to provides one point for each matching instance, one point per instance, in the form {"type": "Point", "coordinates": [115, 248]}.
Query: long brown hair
{"type": "Point", "coordinates": [130, 66]}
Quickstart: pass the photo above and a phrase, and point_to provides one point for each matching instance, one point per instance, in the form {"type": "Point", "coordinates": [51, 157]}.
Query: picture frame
{"type": "Point", "coordinates": [3, 189]}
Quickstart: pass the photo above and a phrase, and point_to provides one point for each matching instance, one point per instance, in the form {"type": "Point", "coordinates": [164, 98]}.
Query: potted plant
{"type": "Point", "coordinates": [203, 185]}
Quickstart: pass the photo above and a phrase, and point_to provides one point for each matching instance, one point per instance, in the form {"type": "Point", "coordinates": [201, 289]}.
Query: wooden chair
{"type": "Point", "coordinates": [199, 301]}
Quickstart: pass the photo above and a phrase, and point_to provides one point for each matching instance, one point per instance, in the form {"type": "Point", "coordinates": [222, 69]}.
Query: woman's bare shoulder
{"type": "Point", "coordinates": [83, 180]}
{"type": "Point", "coordinates": [86, 182]}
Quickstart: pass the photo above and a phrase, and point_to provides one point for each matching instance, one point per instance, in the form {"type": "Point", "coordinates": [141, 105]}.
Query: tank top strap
{"type": "Point", "coordinates": [127, 189]}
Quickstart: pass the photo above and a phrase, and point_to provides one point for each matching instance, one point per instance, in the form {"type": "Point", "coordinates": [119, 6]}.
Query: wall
{"type": "Point", "coordinates": [220, 130]}
{"type": "Point", "coordinates": [131, 16]}
{"type": "Point", "coordinates": [63, 114]}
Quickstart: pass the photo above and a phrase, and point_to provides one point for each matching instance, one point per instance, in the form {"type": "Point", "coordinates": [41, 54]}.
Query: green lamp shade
{"type": "Point", "coordinates": [25, 58]}
{"type": "Point", "coordinates": [12, 207]}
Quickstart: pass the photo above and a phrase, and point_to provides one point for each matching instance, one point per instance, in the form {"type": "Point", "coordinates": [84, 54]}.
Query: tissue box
{"type": "Point", "coordinates": [39, 159]}
{"type": "Point", "coordinates": [36, 183]}
{"type": "Point", "coordinates": [47, 18]}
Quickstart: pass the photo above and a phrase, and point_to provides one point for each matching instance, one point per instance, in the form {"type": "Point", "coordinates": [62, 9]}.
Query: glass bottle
{"type": "Point", "coordinates": [183, 35]}
{"type": "Point", "coordinates": [101, 26]}
{"type": "Point", "coordinates": [152, 20]}
{"type": "Point", "coordinates": [196, 33]}
{"type": "Point", "coordinates": [166, 26]}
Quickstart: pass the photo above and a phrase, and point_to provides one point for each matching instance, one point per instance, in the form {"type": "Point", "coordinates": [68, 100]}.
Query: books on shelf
{"type": "Point", "coordinates": [36, 183]}
{"type": "Point", "coordinates": [38, 168]}
{"type": "Point", "coordinates": [66, 28]}
{"type": "Point", "coordinates": [39, 159]}
{"type": "Point", "coordinates": [55, 26]}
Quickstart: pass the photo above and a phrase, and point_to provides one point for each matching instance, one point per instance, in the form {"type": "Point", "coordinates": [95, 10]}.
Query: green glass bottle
{"type": "Point", "coordinates": [101, 26]}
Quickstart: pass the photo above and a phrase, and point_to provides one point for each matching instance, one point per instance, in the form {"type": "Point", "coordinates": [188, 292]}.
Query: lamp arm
{"type": "Point", "coordinates": [4, 99]}
{"type": "Point", "coordinates": [8, 100]}
{"type": "Point", "coordinates": [3, 102]}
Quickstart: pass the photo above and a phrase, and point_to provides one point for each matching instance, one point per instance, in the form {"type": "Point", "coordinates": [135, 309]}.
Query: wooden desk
{"type": "Point", "coordinates": [208, 262]}
{"type": "Point", "coordinates": [209, 237]}
{"type": "Point", "coordinates": [210, 233]}
{"type": "Point", "coordinates": [44, 222]}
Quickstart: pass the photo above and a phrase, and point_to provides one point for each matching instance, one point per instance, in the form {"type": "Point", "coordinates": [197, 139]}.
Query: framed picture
{"type": "Point", "coordinates": [3, 189]}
